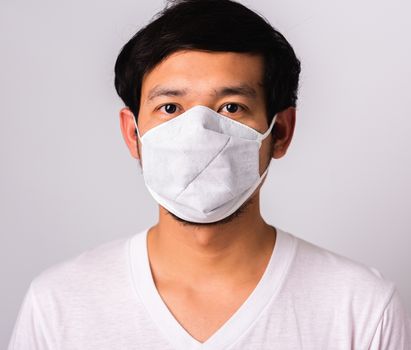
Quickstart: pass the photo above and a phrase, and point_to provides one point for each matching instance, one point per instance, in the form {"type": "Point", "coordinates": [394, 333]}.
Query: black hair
{"type": "Point", "coordinates": [210, 25]}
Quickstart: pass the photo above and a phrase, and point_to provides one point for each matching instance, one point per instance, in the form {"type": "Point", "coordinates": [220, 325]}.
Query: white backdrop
{"type": "Point", "coordinates": [68, 183]}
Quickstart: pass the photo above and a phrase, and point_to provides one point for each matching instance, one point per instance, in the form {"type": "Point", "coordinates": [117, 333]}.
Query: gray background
{"type": "Point", "coordinates": [68, 183]}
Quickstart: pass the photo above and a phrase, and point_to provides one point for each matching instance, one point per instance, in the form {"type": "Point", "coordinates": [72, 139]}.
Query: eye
{"type": "Point", "coordinates": [169, 108]}
{"type": "Point", "coordinates": [233, 107]}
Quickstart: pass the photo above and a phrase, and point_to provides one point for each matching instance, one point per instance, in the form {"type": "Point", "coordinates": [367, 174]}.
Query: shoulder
{"type": "Point", "coordinates": [324, 265]}
{"type": "Point", "coordinates": [81, 274]}
{"type": "Point", "coordinates": [337, 282]}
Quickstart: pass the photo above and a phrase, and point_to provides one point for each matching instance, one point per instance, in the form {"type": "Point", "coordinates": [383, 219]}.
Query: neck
{"type": "Point", "coordinates": [197, 255]}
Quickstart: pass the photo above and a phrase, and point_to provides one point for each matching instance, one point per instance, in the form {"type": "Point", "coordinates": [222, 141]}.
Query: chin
{"type": "Point", "coordinates": [224, 221]}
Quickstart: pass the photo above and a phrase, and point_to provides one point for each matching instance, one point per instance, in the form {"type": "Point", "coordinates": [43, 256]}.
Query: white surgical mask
{"type": "Point", "coordinates": [201, 165]}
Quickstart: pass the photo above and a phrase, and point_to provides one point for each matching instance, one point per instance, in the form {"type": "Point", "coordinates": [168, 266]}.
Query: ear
{"type": "Point", "coordinates": [283, 131]}
{"type": "Point", "coordinates": [128, 129]}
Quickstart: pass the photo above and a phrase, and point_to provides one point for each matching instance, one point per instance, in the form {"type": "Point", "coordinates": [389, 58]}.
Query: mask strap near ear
{"type": "Point", "coordinates": [140, 167]}
{"type": "Point", "coordinates": [261, 137]}
{"type": "Point", "coordinates": [138, 133]}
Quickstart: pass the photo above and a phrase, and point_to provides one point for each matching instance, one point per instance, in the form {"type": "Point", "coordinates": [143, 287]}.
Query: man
{"type": "Point", "coordinates": [210, 90]}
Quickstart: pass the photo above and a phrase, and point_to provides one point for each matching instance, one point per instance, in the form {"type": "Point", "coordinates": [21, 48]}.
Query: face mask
{"type": "Point", "coordinates": [201, 165]}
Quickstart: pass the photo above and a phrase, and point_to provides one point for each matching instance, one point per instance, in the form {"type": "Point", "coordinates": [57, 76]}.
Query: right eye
{"type": "Point", "coordinates": [168, 108]}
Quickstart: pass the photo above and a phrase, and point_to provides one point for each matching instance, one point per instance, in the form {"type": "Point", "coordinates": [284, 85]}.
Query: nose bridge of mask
{"type": "Point", "coordinates": [260, 136]}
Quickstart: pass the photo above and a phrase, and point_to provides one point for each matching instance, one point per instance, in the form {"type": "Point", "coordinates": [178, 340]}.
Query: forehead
{"type": "Point", "coordinates": [201, 71]}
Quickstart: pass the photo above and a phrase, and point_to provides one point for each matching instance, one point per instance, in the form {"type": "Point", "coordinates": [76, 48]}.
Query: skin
{"type": "Point", "coordinates": [209, 270]}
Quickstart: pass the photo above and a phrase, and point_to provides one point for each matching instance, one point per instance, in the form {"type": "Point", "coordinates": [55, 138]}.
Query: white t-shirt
{"type": "Point", "coordinates": [308, 298]}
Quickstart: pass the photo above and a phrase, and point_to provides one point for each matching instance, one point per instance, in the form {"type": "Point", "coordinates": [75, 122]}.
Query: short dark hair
{"type": "Point", "coordinates": [209, 25]}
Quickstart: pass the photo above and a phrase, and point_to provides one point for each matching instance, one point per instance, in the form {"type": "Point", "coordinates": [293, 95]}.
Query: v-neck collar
{"type": "Point", "coordinates": [237, 325]}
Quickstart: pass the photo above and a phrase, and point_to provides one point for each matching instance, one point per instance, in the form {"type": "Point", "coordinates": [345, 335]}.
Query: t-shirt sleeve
{"type": "Point", "coordinates": [29, 331]}
{"type": "Point", "coordinates": [394, 328]}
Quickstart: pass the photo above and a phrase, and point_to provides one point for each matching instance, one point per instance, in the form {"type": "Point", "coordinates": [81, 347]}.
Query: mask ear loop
{"type": "Point", "coordinates": [135, 123]}
{"type": "Point", "coordinates": [140, 166]}
{"type": "Point", "coordinates": [261, 137]}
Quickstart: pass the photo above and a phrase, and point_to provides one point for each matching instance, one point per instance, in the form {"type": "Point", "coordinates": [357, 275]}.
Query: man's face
{"type": "Point", "coordinates": [188, 78]}
{"type": "Point", "coordinates": [229, 83]}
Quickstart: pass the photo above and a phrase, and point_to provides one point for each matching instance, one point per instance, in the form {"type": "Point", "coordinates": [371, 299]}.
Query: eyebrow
{"type": "Point", "coordinates": [241, 90]}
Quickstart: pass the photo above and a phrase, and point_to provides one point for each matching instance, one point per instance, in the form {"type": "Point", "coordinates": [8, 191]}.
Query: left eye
{"type": "Point", "coordinates": [232, 107]}
{"type": "Point", "coordinates": [169, 108]}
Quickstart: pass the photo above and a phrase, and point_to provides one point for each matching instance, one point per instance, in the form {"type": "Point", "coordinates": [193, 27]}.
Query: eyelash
{"type": "Point", "coordinates": [242, 108]}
